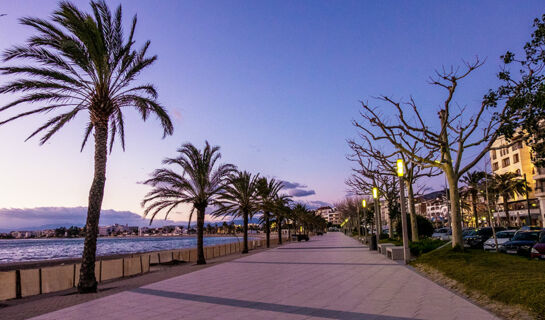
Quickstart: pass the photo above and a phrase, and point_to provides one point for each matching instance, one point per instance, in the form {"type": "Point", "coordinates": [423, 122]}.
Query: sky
{"type": "Point", "coordinates": [274, 83]}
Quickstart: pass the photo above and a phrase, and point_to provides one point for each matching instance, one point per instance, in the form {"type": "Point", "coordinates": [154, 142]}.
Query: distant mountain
{"type": "Point", "coordinates": [54, 217]}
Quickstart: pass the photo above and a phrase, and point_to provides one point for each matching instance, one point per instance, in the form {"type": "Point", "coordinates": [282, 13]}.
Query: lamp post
{"type": "Point", "coordinates": [359, 223]}
{"type": "Point", "coordinates": [527, 200]}
{"type": "Point", "coordinates": [400, 174]}
{"type": "Point", "coordinates": [364, 206]}
{"type": "Point", "coordinates": [377, 214]}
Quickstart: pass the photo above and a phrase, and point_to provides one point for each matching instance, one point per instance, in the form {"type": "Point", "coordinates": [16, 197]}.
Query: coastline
{"type": "Point", "coordinates": [8, 266]}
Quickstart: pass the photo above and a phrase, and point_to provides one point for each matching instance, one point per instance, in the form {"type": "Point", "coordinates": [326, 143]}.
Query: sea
{"type": "Point", "coordinates": [15, 250]}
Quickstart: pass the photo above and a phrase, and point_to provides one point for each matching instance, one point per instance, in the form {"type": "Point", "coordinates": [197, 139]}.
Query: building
{"type": "Point", "coordinates": [517, 158]}
{"type": "Point", "coordinates": [330, 214]}
{"type": "Point", "coordinates": [539, 191]}
{"type": "Point", "coordinates": [434, 206]}
{"type": "Point", "coordinates": [103, 231]}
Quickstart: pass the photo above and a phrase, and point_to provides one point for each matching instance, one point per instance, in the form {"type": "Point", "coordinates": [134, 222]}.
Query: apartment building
{"type": "Point", "coordinates": [517, 158]}
{"type": "Point", "coordinates": [330, 214]}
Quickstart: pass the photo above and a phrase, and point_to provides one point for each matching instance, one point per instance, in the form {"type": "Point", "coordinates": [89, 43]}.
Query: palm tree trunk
{"type": "Point", "coordinates": [87, 280]}
{"type": "Point", "coordinates": [412, 213]}
{"type": "Point", "coordinates": [268, 229]}
{"type": "Point", "coordinates": [200, 236]}
{"type": "Point", "coordinates": [279, 226]}
{"type": "Point", "coordinates": [506, 209]}
{"type": "Point", "coordinates": [245, 218]}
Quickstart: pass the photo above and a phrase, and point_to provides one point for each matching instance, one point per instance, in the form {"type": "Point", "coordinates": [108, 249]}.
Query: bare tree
{"type": "Point", "coordinates": [386, 163]}
{"type": "Point", "coordinates": [445, 145]}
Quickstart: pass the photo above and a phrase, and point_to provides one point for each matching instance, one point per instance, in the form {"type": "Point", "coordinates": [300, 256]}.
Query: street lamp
{"type": "Point", "coordinates": [401, 174]}
{"type": "Point", "coordinates": [377, 216]}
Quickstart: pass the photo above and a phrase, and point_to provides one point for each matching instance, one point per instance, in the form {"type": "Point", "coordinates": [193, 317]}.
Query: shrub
{"type": "Point", "coordinates": [425, 245]}
{"type": "Point", "coordinates": [425, 227]}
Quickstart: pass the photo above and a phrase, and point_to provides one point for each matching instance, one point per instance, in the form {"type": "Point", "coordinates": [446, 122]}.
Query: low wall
{"type": "Point", "coordinates": [28, 282]}
{"type": "Point", "coordinates": [8, 289]}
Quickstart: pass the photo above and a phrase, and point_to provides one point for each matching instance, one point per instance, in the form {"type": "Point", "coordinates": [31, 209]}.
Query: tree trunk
{"type": "Point", "coordinates": [268, 229]}
{"type": "Point", "coordinates": [245, 245]}
{"type": "Point", "coordinates": [506, 209]}
{"type": "Point", "coordinates": [200, 236]}
{"type": "Point", "coordinates": [412, 213]}
{"type": "Point", "coordinates": [379, 221]}
{"type": "Point", "coordinates": [474, 208]}
{"type": "Point", "coordinates": [455, 217]}
{"type": "Point", "coordinates": [279, 226]}
{"type": "Point", "coordinates": [87, 280]}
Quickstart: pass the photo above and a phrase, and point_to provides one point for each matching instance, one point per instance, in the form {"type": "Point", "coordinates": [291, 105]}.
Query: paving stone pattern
{"type": "Point", "coordinates": [329, 277]}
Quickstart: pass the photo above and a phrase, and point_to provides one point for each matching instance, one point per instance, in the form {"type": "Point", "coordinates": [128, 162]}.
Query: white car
{"type": "Point", "coordinates": [502, 236]}
{"type": "Point", "coordinates": [442, 234]}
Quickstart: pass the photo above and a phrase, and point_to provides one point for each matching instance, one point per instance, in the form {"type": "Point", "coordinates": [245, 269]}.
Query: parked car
{"type": "Point", "coordinates": [536, 228]}
{"type": "Point", "coordinates": [522, 243]}
{"type": "Point", "coordinates": [441, 234]}
{"type": "Point", "coordinates": [477, 237]}
{"type": "Point", "coordinates": [502, 236]}
{"type": "Point", "coordinates": [538, 251]}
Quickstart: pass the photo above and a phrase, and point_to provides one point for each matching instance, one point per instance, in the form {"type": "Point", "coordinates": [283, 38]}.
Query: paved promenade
{"type": "Point", "coordinates": [329, 277]}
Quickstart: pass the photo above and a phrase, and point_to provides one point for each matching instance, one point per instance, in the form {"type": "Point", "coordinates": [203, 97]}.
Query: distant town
{"type": "Point", "coordinates": [118, 230]}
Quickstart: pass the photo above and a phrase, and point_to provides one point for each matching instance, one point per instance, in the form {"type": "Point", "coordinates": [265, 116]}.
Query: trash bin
{"type": "Point", "coordinates": [373, 243]}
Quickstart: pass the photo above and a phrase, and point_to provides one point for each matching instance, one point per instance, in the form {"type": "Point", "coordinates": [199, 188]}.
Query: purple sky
{"type": "Point", "coordinates": [274, 83]}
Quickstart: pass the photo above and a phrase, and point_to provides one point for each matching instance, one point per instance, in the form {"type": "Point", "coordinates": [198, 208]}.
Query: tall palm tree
{"type": "Point", "coordinates": [299, 212]}
{"type": "Point", "coordinates": [83, 64]}
{"type": "Point", "coordinates": [200, 184]}
{"type": "Point", "coordinates": [239, 199]}
{"type": "Point", "coordinates": [473, 181]}
{"type": "Point", "coordinates": [507, 185]}
{"type": "Point", "coordinates": [281, 213]}
{"type": "Point", "coordinates": [268, 191]}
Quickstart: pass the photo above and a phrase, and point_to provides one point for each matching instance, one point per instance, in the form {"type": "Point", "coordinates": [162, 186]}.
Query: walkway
{"type": "Point", "coordinates": [329, 277]}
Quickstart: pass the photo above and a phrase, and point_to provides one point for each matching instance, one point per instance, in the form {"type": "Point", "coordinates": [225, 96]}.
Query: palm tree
{"type": "Point", "coordinates": [473, 181]}
{"type": "Point", "coordinates": [299, 212]}
{"type": "Point", "coordinates": [508, 185]}
{"type": "Point", "coordinates": [83, 64]}
{"type": "Point", "coordinates": [200, 184]}
{"type": "Point", "coordinates": [268, 191]}
{"type": "Point", "coordinates": [281, 213]}
{"type": "Point", "coordinates": [239, 199]}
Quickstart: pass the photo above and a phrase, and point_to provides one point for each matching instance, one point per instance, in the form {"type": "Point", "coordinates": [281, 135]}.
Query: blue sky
{"type": "Point", "coordinates": [274, 83]}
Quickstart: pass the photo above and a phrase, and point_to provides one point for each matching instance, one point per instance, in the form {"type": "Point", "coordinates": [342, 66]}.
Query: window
{"type": "Point", "coordinates": [517, 145]}
{"type": "Point", "coordinates": [516, 158]}
{"type": "Point", "coordinates": [493, 154]}
{"type": "Point", "coordinates": [505, 162]}
{"type": "Point", "coordinates": [518, 172]}
{"type": "Point", "coordinates": [495, 166]}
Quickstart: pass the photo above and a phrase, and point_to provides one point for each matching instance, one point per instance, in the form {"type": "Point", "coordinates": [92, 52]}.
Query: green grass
{"type": "Point", "coordinates": [501, 277]}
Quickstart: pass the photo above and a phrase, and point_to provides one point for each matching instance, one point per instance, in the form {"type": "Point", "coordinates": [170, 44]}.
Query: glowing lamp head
{"type": "Point", "coordinates": [375, 193]}
{"type": "Point", "coordinates": [363, 203]}
{"type": "Point", "coordinates": [400, 168]}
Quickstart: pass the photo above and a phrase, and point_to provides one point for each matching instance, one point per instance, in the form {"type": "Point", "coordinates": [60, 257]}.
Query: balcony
{"type": "Point", "coordinates": [540, 174]}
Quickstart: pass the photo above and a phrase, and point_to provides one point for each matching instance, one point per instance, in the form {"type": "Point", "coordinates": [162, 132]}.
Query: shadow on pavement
{"type": "Point", "coordinates": [306, 311]}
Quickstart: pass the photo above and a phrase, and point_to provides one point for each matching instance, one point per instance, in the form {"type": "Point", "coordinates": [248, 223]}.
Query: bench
{"type": "Point", "coordinates": [395, 252]}
{"type": "Point", "coordinates": [382, 247]}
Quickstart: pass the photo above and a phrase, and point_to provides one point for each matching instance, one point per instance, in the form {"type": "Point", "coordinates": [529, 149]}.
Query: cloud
{"type": "Point", "coordinates": [51, 217]}
{"type": "Point", "coordinates": [301, 193]}
{"type": "Point", "coordinates": [177, 114]}
{"type": "Point", "coordinates": [315, 204]}
{"type": "Point", "coordinates": [292, 185]}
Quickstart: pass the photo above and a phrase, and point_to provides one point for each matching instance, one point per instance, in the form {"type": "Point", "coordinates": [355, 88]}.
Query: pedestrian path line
{"type": "Point", "coordinates": [264, 306]}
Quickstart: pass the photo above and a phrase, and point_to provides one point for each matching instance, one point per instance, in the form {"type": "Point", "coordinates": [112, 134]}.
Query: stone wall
{"type": "Point", "coordinates": [28, 282]}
